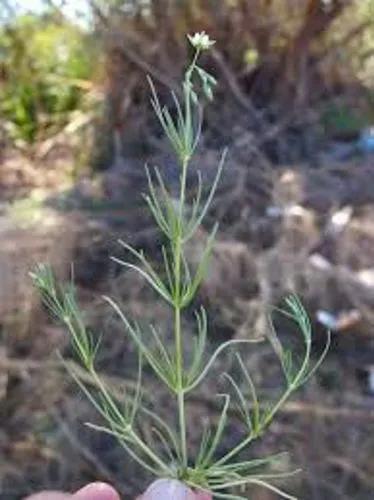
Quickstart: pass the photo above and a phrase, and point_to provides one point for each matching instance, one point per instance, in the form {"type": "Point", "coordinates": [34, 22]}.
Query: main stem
{"type": "Point", "coordinates": [177, 319]}
{"type": "Point", "coordinates": [178, 244]}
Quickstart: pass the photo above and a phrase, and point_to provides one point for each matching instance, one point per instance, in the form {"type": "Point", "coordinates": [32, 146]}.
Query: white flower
{"type": "Point", "coordinates": [201, 41]}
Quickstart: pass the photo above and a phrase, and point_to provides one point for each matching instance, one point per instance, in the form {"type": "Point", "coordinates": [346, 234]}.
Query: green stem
{"type": "Point", "coordinates": [132, 434]}
{"type": "Point", "coordinates": [139, 442]}
{"type": "Point", "coordinates": [180, 394]}
{"type": "Point", "coordinates": [177, 317]}
{"type": "Point", "coordinates": [269, 417]}
{"type": "Point", "coordinates": [235, 450]}
{"type": "Point", "coordinates": [280, 403]}
{"type": "Point", "coordinates": [178, 248]}
{"type": "Point", "coordinates": [188, 128]}
{"type": "Point", "coordinates": [191, 68]}
{"type": "Point", "coordinates": [252, 436]}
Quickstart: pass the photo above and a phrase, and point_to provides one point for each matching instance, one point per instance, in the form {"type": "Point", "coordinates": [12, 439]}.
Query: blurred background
{"type": "Point", "coordinates": [295, 106]}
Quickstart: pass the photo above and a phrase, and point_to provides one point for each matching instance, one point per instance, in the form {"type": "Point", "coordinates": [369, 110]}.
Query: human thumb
{"type": "Point", "coordinates": [96, 491]}
{"type": "Point", "coordinates": [171, 489]}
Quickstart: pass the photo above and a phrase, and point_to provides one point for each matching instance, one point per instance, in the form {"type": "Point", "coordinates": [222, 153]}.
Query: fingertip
{"type": "Point", "coordinates": [201, 495]}
{"type": "Point", "coordinates": [49, 495]}
{"type": "Point", "coordinates": [96, 491]}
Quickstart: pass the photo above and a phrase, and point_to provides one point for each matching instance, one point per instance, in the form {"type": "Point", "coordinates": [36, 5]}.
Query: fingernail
{"type": "Point", "coordinates": [96, 491]}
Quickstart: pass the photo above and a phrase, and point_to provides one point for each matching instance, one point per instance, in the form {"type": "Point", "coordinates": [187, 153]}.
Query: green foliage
{"type": "Point", "coordinates": [42, 61]}
{"type": "Point", "coordinates": [178, 285]}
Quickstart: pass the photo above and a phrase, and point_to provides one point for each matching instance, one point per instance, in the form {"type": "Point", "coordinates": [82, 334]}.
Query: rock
{"type": "Point", "coordinates": [339, 220]}
{"type": "Point", "coordinates": [366, 278]}
{"type": "Point", "coordinates": [319, 262]}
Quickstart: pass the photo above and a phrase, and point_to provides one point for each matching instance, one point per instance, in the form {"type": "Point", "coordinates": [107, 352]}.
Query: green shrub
{"type": "Point", "coordinates": [43, 62]}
